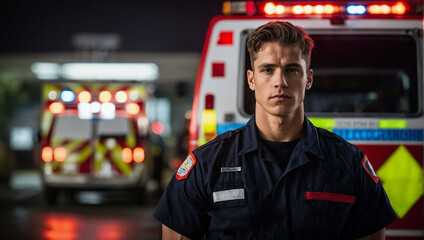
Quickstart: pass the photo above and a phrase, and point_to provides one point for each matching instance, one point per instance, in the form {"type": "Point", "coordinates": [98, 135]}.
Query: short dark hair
{"type": "Point", "coordinates": [283, 33]}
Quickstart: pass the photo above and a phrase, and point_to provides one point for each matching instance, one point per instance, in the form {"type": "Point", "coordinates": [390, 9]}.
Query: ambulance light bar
{"type": "Point", "coordinates": [69, 96]}
{"type": "Point", "coordinates": [303, 8]}
{"type": "Point", "coordinates": [103, 104]}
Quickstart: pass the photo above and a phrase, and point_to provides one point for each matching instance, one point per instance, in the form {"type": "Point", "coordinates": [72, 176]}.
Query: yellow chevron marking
{"type": "Point", "coordinates": [46, 122]}
{"type": "Point", "coordinates": [76, 157]}
{"type": "Point", "coordinates": [74, 144]}
{"type": "Point", "coordinates": [99, 157]}
{"type": "Point", "coordinates": [117, 160]}
{"type": "Point", "coordinates": [79, 157]}
{"type": "Point", "coordinates": [84, 154]}
{"type": "Point", "coordinates": [130, 139]}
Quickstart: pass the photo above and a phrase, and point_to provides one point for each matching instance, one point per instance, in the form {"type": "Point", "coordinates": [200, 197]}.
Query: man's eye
{"type": "Point", "coordinates": [292, 70]}
{"type": "Point", "coordinates": [267, 70]}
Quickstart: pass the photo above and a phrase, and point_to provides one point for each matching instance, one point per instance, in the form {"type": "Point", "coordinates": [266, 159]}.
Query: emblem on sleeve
{"type": "Point", "coordinates": [185, 168]}
{"type": "Point", "coordinates": [368, 168]}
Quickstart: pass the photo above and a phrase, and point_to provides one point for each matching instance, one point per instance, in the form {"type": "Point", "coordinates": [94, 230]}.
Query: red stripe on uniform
{"type": "Point", "coordinates": [332, 197]}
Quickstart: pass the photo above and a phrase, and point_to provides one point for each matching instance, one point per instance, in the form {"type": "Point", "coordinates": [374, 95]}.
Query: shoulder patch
{"type": "Point", "coordinates": [368, 168]}
{"type": "Point", "coordinates": [185, 168]}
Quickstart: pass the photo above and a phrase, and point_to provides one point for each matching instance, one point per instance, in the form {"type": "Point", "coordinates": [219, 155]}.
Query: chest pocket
{"type": "Point", "coordinates": [329, 203]}
{"type": "Point", "coordinates": [327, 211]}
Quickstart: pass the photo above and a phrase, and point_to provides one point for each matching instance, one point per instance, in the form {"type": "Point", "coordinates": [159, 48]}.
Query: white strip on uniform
{"type": "Point", "coordinates": [227, 195]}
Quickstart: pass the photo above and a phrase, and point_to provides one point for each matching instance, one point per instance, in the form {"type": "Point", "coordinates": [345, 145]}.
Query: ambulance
{"type": "Point", "coordinates": [368, 85]}
{"type": "Point", "coordinates": [93, 138]}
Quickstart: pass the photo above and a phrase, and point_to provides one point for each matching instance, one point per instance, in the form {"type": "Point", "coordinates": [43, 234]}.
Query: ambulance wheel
{"type": "Point", "coordinates": [50, 195]}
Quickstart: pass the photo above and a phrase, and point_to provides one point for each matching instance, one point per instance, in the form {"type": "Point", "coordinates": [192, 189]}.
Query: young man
{"type": "Point", "coordinates": [278, 177]}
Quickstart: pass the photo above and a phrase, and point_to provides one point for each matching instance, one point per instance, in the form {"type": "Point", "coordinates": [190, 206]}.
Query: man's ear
{"type": "Point", "coordinates": [309, 79]}
{"type": "Point", "coordinates": [251, 80]}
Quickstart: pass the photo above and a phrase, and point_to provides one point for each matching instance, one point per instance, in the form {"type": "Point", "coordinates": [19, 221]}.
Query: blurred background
{"type": "Point", "coordinates": [169, 34]}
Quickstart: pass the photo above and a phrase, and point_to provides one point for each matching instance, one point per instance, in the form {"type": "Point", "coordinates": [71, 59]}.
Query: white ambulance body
{"type": "Point", "coordinates": [368, 75]}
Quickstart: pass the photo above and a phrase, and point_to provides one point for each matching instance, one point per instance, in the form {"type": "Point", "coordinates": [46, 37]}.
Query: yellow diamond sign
{"type": "Point", "coordinates": [402, 178]}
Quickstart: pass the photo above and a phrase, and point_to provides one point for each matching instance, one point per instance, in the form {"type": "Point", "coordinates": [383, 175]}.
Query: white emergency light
{"type": "Point", "coordinates": [84, 111]}
{"type": "Point", "coordinates": [107, 111]}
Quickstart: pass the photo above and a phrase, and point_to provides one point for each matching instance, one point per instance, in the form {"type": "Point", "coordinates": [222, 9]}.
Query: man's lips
{"type": "Point", "coordinates": [280, 97]}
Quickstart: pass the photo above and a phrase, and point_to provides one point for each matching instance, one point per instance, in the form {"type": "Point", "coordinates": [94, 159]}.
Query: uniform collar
{"type": "Point", "coordinates": [308, 142]}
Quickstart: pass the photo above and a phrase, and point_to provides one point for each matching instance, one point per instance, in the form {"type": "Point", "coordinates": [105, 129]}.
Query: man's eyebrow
{"type": "Point", "coordinates": [272, 65]}
{"type": "Point", "coordinates": [292, 65]}
{"type": "Point", "coordinates": [267, 65]}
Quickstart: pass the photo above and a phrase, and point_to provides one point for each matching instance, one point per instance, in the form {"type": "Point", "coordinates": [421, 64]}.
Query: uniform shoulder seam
{"type": "Point", "coordinates": [331, 135]}
{"type": "Point", "coordinates": [223, 137]}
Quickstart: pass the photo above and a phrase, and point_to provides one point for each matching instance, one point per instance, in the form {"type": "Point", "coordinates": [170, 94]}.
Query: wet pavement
{"type": "Point", "coordinates": [90, 215]}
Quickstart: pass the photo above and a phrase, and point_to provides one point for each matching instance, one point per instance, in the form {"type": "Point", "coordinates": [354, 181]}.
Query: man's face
{"type": "Point", "coordinates": [279, 79]}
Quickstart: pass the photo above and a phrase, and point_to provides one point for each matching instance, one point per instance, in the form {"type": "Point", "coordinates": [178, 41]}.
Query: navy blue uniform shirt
{"type": "Point", "coordinates": [230, 188]}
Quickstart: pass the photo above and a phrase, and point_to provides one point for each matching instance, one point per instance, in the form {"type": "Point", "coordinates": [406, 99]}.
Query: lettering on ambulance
{"type": "Point", "coordinates": [408, 135]}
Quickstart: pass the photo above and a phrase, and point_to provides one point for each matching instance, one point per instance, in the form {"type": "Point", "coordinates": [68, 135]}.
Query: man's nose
{"type": "Point", "coordinates": [280, 81]}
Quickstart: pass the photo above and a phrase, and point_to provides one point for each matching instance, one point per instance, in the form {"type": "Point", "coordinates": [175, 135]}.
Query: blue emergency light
{"type": "Point", "coordinates": [67, 96]}
{"type": "Point", "coordinates": [356, 9]}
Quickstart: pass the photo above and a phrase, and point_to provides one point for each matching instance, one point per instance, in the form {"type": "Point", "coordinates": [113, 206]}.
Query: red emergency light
{"type": "Point", "coordinates": [84, 96]}
{"type": "Point", "coordinates": [133, 108]}
{"type": "Point", "coordinates": [121, 96]}
{"type": "Point", "coordinates": [271, 8]}
{"type": "Point", "coordinates": [49, 154]}
{"type": "Point", "coordinates": [56, 107]}
{"type": "Point", "coordinates": [137, 155]}
{"type": "Point", "coordinates": [105, 96]}
{"type": "Point", "coordinates": [325, 9]}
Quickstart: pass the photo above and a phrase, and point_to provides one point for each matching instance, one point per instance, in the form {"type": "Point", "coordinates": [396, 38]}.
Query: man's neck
{"type": "Point", "coordinates": [279, 128]}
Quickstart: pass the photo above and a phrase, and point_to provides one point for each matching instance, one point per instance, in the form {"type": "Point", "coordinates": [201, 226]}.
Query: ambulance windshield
{"type": "Point", "coordinates": [363, 73]}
